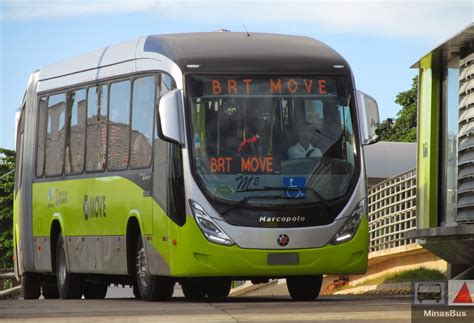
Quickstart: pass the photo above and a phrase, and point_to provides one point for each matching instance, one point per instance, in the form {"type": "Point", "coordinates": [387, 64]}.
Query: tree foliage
{"type": "Point", "coordinates": [7, 165]}
{"type": "Point", "coordinates": [404, 128]}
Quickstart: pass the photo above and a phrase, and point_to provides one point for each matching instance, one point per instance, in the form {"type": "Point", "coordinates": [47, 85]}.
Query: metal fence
{"type": "Point", "coordinates": [392, 211]}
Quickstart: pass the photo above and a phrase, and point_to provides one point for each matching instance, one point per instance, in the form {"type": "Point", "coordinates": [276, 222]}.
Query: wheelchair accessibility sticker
{"type": "Point", "coordinates": [295, 187]}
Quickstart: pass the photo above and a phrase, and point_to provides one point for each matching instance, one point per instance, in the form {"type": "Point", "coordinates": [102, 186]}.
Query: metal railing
{"type": "Point", "coordinates": [392, 211]}
{"type": "Point", "coordinates": [9, 287]}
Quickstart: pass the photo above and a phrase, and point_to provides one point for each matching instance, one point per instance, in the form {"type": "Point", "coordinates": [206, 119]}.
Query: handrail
{"type": "Point", "coordinates": [392, 211]}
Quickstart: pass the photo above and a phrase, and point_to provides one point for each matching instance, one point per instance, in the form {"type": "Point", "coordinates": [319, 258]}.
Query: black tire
{"type": "Point", "coordinates": [218, 289]}
{"type": "Point", "coordinates": [50, 289]}
{"type": "Point", "coordinates": [150, 287]}
{"type": "Point", "coordinates": [194, 289]}
{"type": "Point", "coordinates": [69, 284]}
{"type": "Point", "coordinates": [30, 286]}
{"type": "Point", "coordinates": [136, 291]}
{"type": "Point", "coordinates": [95, 290]}
{"type": "Point", "coordinates": [304, 288]}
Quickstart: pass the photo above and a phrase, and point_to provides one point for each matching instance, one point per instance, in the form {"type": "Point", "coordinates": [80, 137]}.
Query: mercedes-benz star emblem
{"type": "Point", "coordinates": [283, 240]}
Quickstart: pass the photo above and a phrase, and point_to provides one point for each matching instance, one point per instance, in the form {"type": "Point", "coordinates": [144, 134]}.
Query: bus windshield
{"type": "Point", "coordinates": [272, 141]}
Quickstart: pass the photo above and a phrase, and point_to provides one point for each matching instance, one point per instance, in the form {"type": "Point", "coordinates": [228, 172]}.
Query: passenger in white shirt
{"type": "Point", "coordinates": [303, 148]}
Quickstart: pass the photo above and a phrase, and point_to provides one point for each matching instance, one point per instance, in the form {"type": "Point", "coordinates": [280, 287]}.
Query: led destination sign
{"type": "Point", "coordinates": [252, 164]}
{"type": "Point", "coordinates": [270, 86]}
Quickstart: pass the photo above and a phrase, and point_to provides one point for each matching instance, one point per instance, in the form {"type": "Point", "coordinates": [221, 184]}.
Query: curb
{"type": "Point", "coordinates": [382, 289]}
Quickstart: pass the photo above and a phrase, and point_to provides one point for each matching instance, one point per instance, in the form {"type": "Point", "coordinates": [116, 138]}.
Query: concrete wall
{"type": "Point", "coordinates": [393, 260]}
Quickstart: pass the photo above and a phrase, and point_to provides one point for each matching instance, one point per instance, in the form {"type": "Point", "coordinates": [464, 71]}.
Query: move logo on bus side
{"type": "Point", "coordinates": [94, 206]}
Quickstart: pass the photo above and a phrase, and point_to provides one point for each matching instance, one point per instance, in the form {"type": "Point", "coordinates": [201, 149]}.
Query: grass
{"type": "Point", "coordinates": [418, 274]}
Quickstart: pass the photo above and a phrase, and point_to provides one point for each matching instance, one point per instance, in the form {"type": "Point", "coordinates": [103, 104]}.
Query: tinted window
{"type": "Point", "coordinates": [75, 141]}
{"type": "Point", "coordinates": [142, 121]}
{"type": "Point", "coordinates": [19, 149]}
{"type": "Point", "coordinates": [166, 84]}
{"type": "Point", "coordinates": [42, 110]}
{"type": "Point", "coordinates": [119, 125]}
{"type": "Point", "coordinates": [55, 135]}
{"type": "Point", "coordinates": [277, 131]}
{"type": "Point", "coordinates": [96, 128]}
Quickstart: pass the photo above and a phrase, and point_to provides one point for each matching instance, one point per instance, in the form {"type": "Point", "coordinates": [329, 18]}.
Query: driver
{"type": "Point", "coordinates": [303, 148]}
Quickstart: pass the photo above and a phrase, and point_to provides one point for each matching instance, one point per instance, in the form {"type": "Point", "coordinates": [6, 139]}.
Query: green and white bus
{"type": "Point", "coordinates": [196, 159]}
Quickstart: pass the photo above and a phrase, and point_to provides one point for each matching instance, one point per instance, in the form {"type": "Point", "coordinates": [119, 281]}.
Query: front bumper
{"type": "Point", "coordinates": [192, 255]}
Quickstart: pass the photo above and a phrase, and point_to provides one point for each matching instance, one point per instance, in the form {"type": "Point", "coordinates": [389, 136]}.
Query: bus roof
{"type": "Point", "coordinates": [215, 52]}
{"type": "Point", "coordinates": [236, 52]}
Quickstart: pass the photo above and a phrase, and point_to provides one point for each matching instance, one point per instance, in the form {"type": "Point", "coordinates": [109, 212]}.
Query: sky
{"type": "Point", "coordinates": [379, 39]}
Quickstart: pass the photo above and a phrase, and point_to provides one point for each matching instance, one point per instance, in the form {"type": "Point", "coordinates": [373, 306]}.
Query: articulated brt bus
{"type": "Point", "coordinates": [196, 159]}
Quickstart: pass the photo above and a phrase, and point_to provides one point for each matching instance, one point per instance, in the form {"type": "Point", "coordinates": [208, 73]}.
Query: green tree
{"type": "Point", "coordinates": [7, 180]}
{"type": "Point", "coordinates": [404, 128]}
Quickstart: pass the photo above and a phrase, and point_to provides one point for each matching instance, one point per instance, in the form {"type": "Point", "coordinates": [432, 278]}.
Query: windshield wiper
{"type": "Point", "coordinates": [247, 198]}
{"type": "Point", "coordinates": [277, 188]}
{"type": "Point", "coordinates": [323, 134]}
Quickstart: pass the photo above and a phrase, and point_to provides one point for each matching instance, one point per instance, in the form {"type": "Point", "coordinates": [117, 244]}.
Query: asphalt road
{"type": "Point", "coordinates": [234, 309]}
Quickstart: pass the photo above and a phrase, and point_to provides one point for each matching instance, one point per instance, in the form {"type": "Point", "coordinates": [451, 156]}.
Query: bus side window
{"type": "Point", "coordinates": [142, 121]}
{"type": "Point", "coordinates": [119, 125]}
{"type": "Point", "coordinates": [43, 112]}
{"type": "Point", "coordinates": [19, 149]}
{"type": "Point", "coordinates": [177, 210]}
{"type": "Point", "coordinates": [160, 173]}
{"type": "Point", "coordinates": [76, 127]}
{"type": "Point", "coordinates": [168, 183]}
{"type": "Point", "coordinates": [96, 131]}
{"type": "Point", "coordinates": [166, 84]}
{"type": "Point", "coordinates": [55, 135]}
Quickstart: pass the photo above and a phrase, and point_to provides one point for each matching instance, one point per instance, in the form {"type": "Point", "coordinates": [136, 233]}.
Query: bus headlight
{"type": "Point", "coordinates": [350, 226]}
{"type": "Point", "coordinates": [209, 228]}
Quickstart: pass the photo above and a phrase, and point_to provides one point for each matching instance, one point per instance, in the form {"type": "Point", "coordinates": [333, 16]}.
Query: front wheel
{"type": "Point", "coordinates": [218, 289]}
{"type": "Point", "coordinates": [194, 289]}
{"type": "Point", "coordinates": [69, 284]}
{"type": "Point", "coordinates": [304, 288]}
{"type": "Point", "coordinates": [150, 287]}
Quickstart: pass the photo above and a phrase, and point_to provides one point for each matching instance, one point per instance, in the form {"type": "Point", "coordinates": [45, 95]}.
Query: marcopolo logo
{"type": "Point", "coordinates": [288, 219]}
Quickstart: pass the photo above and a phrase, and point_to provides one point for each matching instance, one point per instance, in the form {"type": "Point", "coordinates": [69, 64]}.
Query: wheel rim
{"type": "Point", "coordinates": [61, 269]}
{"type": "Point", "coordinates": [143, 276]}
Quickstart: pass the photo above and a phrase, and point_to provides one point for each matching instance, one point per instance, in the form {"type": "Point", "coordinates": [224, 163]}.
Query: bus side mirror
{"type": "Point", "coordinates": [171, 120]}
{"type": "Point", "coordinates": [369, 118]}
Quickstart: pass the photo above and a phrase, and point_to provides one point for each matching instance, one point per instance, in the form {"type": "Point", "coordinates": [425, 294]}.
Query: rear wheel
{"type": "Point", "coordinates": [30, 286]}
{"type": "Point", "coordinates": [136, 291]}
{"type": "Point", "coordinates": [218, 289]}
{"type": "Point", "coordinates": [69, 284]}
{"type": "Point", "coordinates": [50, 289]}
{"type": "Point", "coordinates": [150, 287]}
{"type": "Point", "coordinates": [304, 288]}
{"type": "Point", "coordinates": [95, 290]}
{"type": "Point", "coordinates": [194, 289]}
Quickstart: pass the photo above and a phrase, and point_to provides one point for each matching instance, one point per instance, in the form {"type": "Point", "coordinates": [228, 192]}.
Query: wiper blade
{"type": "Point", "coordinates": [247, 198]}
{"type": "Point", "coordinates": [277, 188]}
{"type": "Point", "coordinates": [323, 134]}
